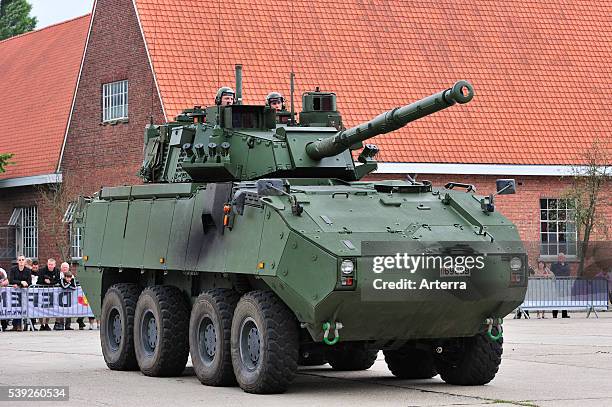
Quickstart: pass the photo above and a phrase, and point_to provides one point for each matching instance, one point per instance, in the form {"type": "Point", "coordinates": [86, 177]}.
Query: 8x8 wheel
{"type": "Point", "coordinates": [161, 328]}
{"type": "Point", "coordinates": [209, 336]}
{"type": "Point", "coordinates": [471, 361]}
{"type": "Point", "coordinates": [348, 356]}
{"type": "Point", "coordinates": [117, 326]}
{"type": "Point", "coordinates": [410, 363]}
{"type": "Point", "coordinates": [264, 343]}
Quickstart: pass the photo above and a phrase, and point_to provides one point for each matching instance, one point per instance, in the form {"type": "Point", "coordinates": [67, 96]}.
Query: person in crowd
{"type": "Point", "coordinates": [4, 282]}
{"type": "Point", "coordinates": [65, 271]}
{"type": "Point", "coordinates": [68, 282]}
{"type": "Point", "coordinates": [49, 276]}
{"type": "Point", "coordinates": [560, 269]}
{"type": "Point", "coordinates": [33, 266]}
{"type": "Point", "coordinates": [542, 272]}
{"type": "Point", "coordinates": [20, 277]}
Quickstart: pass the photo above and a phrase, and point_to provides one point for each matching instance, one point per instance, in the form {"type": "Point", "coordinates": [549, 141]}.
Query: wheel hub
{"type": "Point", "coordinates": [117, 329]}
{"type": "Point", "coordinates": [250, 344]}
{"type": "Point", "coordinates": [152, 332]}
{"type": "Point", "coordinates": [207, 340]}
{"type": "Point", "coordinates": [254, 344]}
{"type": "Point", "coordinates": [114, 330]}
{"type": "Point", "coordinates": [149, 332]}
{"type": "Point", "coordinates": [210, 339]}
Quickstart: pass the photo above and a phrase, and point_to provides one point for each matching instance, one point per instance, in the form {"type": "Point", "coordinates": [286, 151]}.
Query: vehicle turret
{"type": "Point", "coordinates": [242, 142]}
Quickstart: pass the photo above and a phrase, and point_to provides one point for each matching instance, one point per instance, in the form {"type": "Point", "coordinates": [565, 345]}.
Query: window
{"type": "Point", "coordinates": [557, 227]}
{"type": "Point", "coordinates": [75, 232]}
{"type": "Point", "coordinates": [115, 101]}
{"type": "Point", "coordinates": [75, 242]}
{"type": "Point", "coordinates": [25, 222]}
{"type": "Point", "coordinates": [7, 242]}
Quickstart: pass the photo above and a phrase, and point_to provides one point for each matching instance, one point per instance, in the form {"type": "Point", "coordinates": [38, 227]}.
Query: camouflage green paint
{"type": "Point", "coordinates": [173, 229]}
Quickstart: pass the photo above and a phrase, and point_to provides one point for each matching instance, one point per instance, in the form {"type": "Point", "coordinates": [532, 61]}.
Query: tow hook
{"type": "Point", "coordinates": [327, 328]}
{"type": "Point", "coordinates": [497, 322]}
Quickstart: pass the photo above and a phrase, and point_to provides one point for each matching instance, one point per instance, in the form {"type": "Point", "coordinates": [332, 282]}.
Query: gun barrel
{"type": "Point", "coordinates": [461, 92]}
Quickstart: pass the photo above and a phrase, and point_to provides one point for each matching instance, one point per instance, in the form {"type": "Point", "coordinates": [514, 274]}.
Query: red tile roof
{"type": "Point", "coordinates": [541, 70]}
{"type": "Point", "coordinates": [38, 76]}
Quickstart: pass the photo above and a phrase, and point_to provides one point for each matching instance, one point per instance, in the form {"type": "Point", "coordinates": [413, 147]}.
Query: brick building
{"type": "Point", "coordinates": [541, 77]}
{"type": "Point", "coordinates": [38, 76]}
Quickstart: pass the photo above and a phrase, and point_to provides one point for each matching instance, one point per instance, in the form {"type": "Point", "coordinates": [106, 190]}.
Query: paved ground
{"type": "Point", "coordinates": [546, 363]}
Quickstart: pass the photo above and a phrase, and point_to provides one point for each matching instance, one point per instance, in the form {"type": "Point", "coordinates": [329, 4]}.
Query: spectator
{"type": "Point", "coordinates": [68, 283]}
{"type": "Point", "coordinates": [20, 277]}
{"type": "Point", "coordinates": [34, 266]}
{"type": "Point", "coordinates": [4, 282]}
{"type": "Point", "coordinates": [542, 272]}
{"type": "Point", "coordinates": [65, 271]}
{"type": "Point", "coordinates": [560, 269]}
{"type": "Point", "coordinates": [49, 276]}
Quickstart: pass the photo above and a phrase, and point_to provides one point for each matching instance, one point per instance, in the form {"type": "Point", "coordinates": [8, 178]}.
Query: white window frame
{"type": "Point", "coordinates": [76, 234]}
{"type": "Point", "coordinates": [76, 242]}
{"type": "Point", "coordinates": [556, 221]}
{"type": "Point", "coordinates": [115, 101]}
{"type": "Point", "coordinates": [25, 221]}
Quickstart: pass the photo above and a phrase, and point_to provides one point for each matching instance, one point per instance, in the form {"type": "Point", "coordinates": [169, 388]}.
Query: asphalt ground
{"type": "Point", "coordinates": [550, 362]}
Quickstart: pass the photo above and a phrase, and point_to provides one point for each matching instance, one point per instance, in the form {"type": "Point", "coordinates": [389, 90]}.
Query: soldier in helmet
{"type": "Point", "coordinates": [225, 96]}
{"type": "Point", "coordinates": [276, 101]}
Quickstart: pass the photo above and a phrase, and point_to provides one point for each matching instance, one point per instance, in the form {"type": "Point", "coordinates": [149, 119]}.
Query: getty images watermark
{"type": "Point", "coordinates": [412, 270]}
{"type": "Point", "coordinates": [408, 264]}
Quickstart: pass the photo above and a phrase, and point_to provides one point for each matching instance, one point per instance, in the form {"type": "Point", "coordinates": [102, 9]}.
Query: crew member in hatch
{"type": "Point", "coordinates": [225, 96]}
{"type": "Point", "coordinates": [276, 101]}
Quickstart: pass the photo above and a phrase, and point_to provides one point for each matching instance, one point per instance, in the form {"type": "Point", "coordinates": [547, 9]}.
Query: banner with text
{"type": "Point", "coordinates": [43, 302]}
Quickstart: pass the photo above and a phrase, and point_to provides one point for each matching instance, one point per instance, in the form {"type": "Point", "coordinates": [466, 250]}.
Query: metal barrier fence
{"type": "Point", "coordinates": [43, 302]}
{"type": "Point", "coordinates": [566, 294]}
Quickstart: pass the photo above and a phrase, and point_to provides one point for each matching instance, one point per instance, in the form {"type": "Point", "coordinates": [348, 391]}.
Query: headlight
{"type": "Point", "coordinates": [516, 264]}
{"type": "Point", "coordinates": [347, 267]}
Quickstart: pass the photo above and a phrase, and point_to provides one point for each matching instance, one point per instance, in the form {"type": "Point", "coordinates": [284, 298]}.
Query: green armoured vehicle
{"type": "Point", "coordinates": [255, 245]}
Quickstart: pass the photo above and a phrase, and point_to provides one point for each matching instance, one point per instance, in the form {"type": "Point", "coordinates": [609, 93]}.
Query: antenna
{"type": "Point", "coordinates": [292, 89]}
{"type": "Point", "coordinates": [218, 41]}
{"type": "Point", "coordinates": [152, 68]}
{"type": "Point", "coordinates": [292, 75]}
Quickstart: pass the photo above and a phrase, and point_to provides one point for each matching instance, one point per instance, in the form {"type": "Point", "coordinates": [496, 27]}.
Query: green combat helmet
{"type": "Point", "coordinates": [223, 91]}
{"type": "Point", "coordinates": [275, 97]}
{"type": "Point", "coordinates": [256, 245]}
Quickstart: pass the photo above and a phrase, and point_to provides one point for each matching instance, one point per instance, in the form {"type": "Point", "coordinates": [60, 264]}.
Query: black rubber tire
{"type": "Point", "coordinates": [218, 307]}
{"type": "Point", "coordinates": [410, 363]}
{"type": "Point", "coordinates": [476, 364]}
{"type": "Point", "coordinates": [168, 306]}
{"type": "Point", "coordinates": [276, 366]}
{"type": "Point", "coordinates": [120, 299]}
{"type": "Point", "coordinates": [351, 356]}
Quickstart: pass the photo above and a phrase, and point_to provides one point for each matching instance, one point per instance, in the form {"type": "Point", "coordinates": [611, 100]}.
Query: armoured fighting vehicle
{"type": "Point", "coordinates": [255, 245]}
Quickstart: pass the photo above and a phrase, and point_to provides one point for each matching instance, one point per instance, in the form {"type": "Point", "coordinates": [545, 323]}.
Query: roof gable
{"type": "Point", "coordinates": [541, 70]}
{"type": "Point", "coordinates": [38, 76]}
